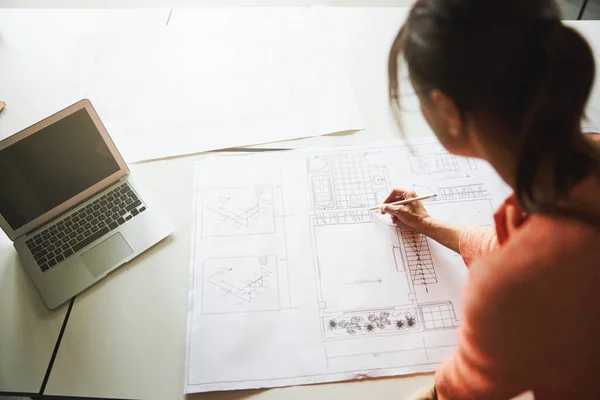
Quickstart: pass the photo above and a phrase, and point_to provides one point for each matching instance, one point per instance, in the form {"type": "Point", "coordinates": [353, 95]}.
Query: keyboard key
{"type": "Point", "coordinates": [50, 255]}
{"type": "Point", "coordinates": [81, 230]}
{"type": "Point", "coordinates": [44, 267]}
{"type": "Point", "coordinates": [94, 229]}
{"type": "Point", "coordinates": [36, 249]}
{"type": "Point", "coordinates": [89, 218]}
{"type": "Point", "coordinates": [61, 235]}
{"type": "Point", "coordinates": [68, 253]}
{"type": "Point", "coordinates": [103, 202]}
{"type": "Point", "coordinates": [65, 247]}
{"type": "Point", "coordinates": [91, 239]}
{"type": "Point", "coordinates": [115, 216]}
{"type": "Point", "coordinates": [68, 231]}
{"type": "Point", "coordinates": [113, 225]}
{"type": "Point", "coordinates": [103, 209]}
{"type": "Point", "coordinates": [42, 260]}
{"type": "Point", "coordinates": [101, 217]}
{"type": "Point", "coordinates": [80, 237]}
{"type": "Point", "coordinates": [61, 223]}
{"type": "Point", "coordinates": [87, 226]}
{"type": "Point", "coordinates": [121, 221]}
{"type": "Point", "coordinates": [133, 205]}
{"type": "Point", "coordinates": [59, 258]}
{"type": "Point", "coordinates": [51, 247]}
{"type": "Point", "coordinates": [51, 263]}
{"type": "Point", "coordinates": [96, 213]}
{"type": "Point", "coordinates": [142, 209]}
{"type": "Point", "coordinates": [75, 219]}
{"type": "Point", "coordinates": [124, 189]}
{"type": "Point", "coordinates": [127, 218]}
{"type": "Point", "coordinates": [134, 212]}
{"type": "Point", "coordinates": [40, 254]}
{"type": "Point", "coordinates": [89, 206]}
{"type": "Point", "coordinates": [110, 198]}
{"type": "Point", "coordinates": [46, 236]}
{"type": "Point", "coordinates": [72, 235]}
{"type": "Point", "coordinates": [73, 242]}
{"type": "Point", "coordinates": [38, 236]}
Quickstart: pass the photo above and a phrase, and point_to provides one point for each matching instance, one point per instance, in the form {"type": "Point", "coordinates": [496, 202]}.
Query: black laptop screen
{"type": "Point", "coordinates": [51, 166]}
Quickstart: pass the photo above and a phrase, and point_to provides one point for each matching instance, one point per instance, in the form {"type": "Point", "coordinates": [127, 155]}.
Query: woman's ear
{"type": "Point", "coordinates": [449, 111]}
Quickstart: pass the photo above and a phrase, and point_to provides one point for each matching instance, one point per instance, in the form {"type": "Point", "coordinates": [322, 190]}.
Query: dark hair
{"type": "Point", "coordinates": [516, 64]}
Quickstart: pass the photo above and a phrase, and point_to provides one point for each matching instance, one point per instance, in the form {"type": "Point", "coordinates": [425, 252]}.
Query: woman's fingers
{"type": "Point", "coordinates": [393, 209]}
{"type": "Point", "coordinates": [399, 194]}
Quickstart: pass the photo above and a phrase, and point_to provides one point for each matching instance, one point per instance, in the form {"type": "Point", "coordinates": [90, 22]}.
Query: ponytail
{"type": "Point", "coordinates": [551, 139]}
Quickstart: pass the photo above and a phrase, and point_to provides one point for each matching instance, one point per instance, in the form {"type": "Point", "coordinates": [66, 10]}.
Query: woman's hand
{"type": "Point", "coordinates": [412, 214]}
{"type": "Point", "coordinates": [416, 217]}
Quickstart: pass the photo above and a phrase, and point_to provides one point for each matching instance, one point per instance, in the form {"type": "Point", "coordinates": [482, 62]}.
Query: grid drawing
{"type": "Point", "coordinates": [354, 187]}
{"type": "Point", "coordinates": [463, 192]}
{"type": "Point", "coordinates": [427, 164]}
{"type": "Point", "coordinates": [438, 316]}
{"type": "Point", "coordinates": [418, 258]}
{"type": "Point", "coordinates": [346, 182]}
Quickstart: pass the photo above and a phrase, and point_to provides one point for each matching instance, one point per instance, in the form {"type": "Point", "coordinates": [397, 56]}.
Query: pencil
{"type": "Point", "coordinates": [406, 201]}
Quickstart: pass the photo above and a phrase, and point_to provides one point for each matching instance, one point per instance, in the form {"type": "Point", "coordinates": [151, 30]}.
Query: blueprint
{"type": "Point", "coordinates": [294, 281]}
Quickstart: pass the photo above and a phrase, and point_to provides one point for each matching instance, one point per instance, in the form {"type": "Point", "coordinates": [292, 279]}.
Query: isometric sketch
{"type": "Point", "coordinates": [240, 284]}
{"type": "Point", "coordinates": [238, 211]}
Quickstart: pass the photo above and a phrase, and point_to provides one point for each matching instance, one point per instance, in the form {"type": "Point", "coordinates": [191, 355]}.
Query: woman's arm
{"type": "Point", "coordinates": [469, 242]}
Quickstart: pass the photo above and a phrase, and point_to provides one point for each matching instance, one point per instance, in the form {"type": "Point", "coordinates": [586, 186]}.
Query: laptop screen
{"type": "Point", "coordinates": [50, 166]}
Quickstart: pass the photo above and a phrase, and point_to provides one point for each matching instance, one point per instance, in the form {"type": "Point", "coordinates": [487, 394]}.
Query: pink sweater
{"type": "Point", "coordinates": [531, 307]}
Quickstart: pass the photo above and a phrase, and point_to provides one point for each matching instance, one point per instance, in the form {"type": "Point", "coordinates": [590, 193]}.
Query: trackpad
{"type": "Point", "coordinates": [106, 255]}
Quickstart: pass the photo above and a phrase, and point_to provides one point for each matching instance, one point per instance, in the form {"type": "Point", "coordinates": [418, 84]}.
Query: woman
{"type": "Point", "coordinates": [506, 81]}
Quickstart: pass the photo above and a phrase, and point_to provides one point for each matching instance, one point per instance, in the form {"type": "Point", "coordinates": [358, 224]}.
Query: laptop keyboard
{"type": "Point", "coordinates": [63, 239]}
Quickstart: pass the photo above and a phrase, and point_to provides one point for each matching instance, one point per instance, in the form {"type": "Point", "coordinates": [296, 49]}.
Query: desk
{"type": "Point", "coordinates": [125, 337]}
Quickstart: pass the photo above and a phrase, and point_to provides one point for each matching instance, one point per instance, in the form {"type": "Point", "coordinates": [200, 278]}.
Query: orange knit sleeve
{"type": "Point", "coordinates": [476, 241]}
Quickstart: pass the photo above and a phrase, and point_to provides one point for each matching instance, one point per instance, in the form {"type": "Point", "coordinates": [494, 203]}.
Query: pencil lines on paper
{"type": "Point", "coordinates": [240, 284]}
{"type": "Point", "coordinates": [418, 258]}
{"type": "Point", "coordinates": [428, 164]}
{"type": "Point", "coordinates": [371, 323]}
{"type": "Point", "coordinates": [238, 211]}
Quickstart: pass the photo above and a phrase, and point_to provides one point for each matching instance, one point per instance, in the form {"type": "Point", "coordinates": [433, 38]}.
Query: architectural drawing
{"type": "Point", "coordinates": [295, 281]}
{"type": "Point", "coordinates": [372, 323]}
{"type": "Point", "coordinates": [238, 211]}
{"type": "Point", "coordinates": [240, 284]}
{"type": "Point", "coordinates": [436, 316]}
{"type": "Point", "coordinates": [417, 257]}
{"type": "Point", "coordinates": [428, 164]}
{"type": "Point", "coordinates": [342, 187]}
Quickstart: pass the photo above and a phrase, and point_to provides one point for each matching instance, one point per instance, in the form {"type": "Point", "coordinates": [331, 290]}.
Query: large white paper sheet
{"type": "Point", "coordinates": [294, 281]}
{"type": "Point", "coordinates": [212, 78]}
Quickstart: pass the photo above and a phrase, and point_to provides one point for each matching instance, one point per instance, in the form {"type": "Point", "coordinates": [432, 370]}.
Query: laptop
{"type": "Point", "coordinates": [70, 205]}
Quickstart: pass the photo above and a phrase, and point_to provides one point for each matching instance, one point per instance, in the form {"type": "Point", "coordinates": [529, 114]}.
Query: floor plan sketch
{"type": "Point", "coordinates": [240, 284]}
{"type": "Point", "coordinates": [295, 281]}
{"type": "Point", "coordinates": [342, 186]}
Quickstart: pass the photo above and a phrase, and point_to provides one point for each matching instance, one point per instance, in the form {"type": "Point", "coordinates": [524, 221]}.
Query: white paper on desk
{"type": "Point", "coordinates": [293, 281]}
{"type": "Point", "coordinates": [217, 78]}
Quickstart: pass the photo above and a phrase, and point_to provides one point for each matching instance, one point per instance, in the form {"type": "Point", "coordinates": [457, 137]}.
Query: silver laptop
{"type": "Point", "coordinates": [69, 204]}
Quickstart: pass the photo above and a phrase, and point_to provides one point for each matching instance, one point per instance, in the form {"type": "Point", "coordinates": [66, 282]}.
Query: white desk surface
{"type": "Point", "coordinates": [125, 337]}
